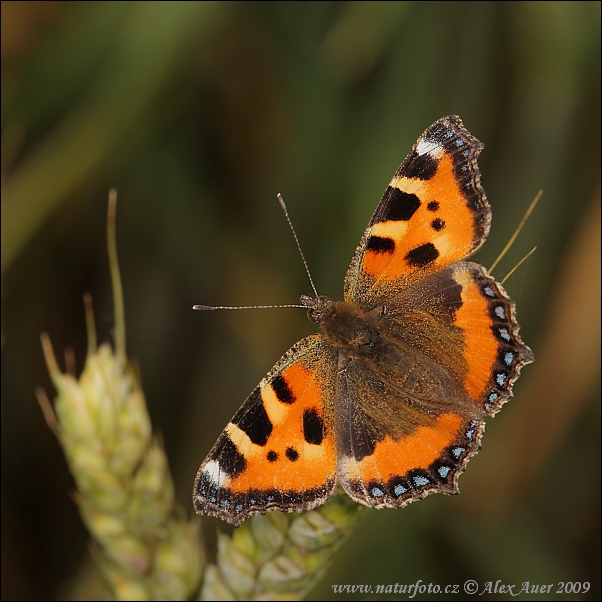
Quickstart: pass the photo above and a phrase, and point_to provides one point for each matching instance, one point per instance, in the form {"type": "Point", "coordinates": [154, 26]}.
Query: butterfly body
{"type": "Point", "coordinates": [388, 398]}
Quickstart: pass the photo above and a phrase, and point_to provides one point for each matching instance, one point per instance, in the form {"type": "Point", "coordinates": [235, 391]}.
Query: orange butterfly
{"type": "Point", "coordinates": [389, 397]}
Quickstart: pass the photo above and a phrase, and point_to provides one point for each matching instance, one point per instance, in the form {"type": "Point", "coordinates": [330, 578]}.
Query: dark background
{"type": "Point", "coordinates": [200, 114]}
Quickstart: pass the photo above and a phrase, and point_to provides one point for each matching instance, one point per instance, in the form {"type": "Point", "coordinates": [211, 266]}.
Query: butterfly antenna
{"type": "Point", "coordinates": [214, 307]}
{"type": "Point", "coordinates": [288, 219]}
{"type": "Point", "coordinates": [296, 305]}
{"type": "Point", "coordinates": [514, 236]}
{"type": "Point", "coordinates": [518, 265]}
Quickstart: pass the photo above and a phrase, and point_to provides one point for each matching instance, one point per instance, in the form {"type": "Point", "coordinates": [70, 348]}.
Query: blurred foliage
{"type": "Point", "coordinates": [199, 114]}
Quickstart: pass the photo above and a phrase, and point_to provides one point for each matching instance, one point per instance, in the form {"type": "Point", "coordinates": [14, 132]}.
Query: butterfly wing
{"type": "Point", "coordinates": [409, 415]}
{"type": "Point", "coordinates": [408, 418]}
{"type": "Point", "coordinates": [278, 450]}
{"type": "Point", "coordinates": [384, 469]}
{"type": "Point", "coordinates": [400, 421]}
{"type": "Point", "coordinates": [433, 212]}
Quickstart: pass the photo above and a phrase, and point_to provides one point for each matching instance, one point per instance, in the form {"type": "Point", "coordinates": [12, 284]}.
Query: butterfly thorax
{"type": "Point", "coordinates": [344, 325]}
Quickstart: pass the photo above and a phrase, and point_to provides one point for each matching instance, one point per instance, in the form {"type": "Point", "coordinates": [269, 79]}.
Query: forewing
{"type": "Point", "coordinates": [433, 212]}
{"type": "Point", "coordinates": [278, 451]}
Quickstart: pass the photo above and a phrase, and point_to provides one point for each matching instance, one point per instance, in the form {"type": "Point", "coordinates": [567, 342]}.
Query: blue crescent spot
{"type": "Point", "coordinates": [399, 490]}
{"type": "Point", "coordinates": [504, 334]}
{"type": "Point", "coordinates": [458, 451]}
{"type": "Point", "coordinates": [444, 471]}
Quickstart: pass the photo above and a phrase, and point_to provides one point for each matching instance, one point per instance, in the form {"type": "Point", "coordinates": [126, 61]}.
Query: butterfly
{"type": "Point", "coordinates": [388, 398]}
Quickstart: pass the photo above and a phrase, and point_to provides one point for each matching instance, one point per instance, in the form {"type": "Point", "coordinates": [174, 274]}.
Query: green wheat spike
{"type": "Point", "coordinates": [144, 544]}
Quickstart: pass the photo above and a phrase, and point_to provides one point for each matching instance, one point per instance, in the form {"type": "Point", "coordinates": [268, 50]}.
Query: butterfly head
{"type": "Point", "coordinates": [315, 306]}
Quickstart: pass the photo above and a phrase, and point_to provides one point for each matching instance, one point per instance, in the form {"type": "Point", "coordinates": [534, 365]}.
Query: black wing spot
{"type": "Point", "coordinates": [437, 225]}
{"type": "Point", "coordinates": [230, 460]}
{"type": "Point", "coordinates": [422, 167]}
{"type": "Point", "coordinates": [282, 390]}
{"type": "Point", "coordinates": [380, 244]}
{"type": "Point", "coordinates": [292, 454]}
{"type": "Point", "coordinates": [422, 255]}
{"type": "Point", "coordinates": [433, 206]}
{"type": "Point", "coordinates": [313, 427]}
{"type": "Point", "coordinates": [400, 206]}
{"type": "Point", "coordinates": [272, 456]}
{"type": "Point", "coordinates": [254, 421]}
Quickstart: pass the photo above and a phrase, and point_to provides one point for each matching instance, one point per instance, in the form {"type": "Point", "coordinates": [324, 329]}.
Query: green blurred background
{"type": "Point", "coordinates": [199, 114]}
